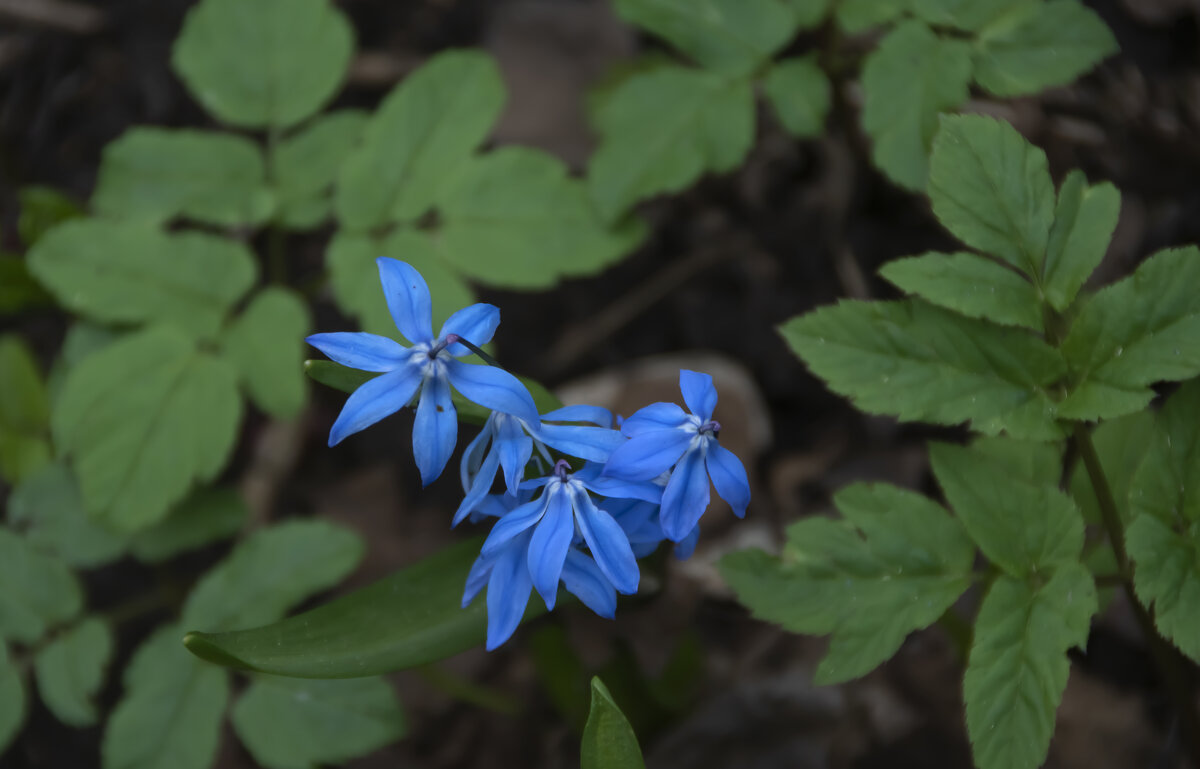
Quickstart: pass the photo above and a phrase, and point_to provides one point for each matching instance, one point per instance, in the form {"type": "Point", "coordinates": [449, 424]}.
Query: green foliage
{"type": "Point", "coordinates": [855, 16]}
{"type": "Point", "coordinates": [966, 284]}
{"type": "Point", "coordinates": [48, 509]}
{"type": "Point", "coordinates": [800, 93]}
{"type": "Point", "coordinates": [206, 516]}
{"type": "Point", "coordinates": [70, 671]}
{"type": "Point", "coordinates": [305, 165]}
{"type": "Point", "coordinates": [1121, 445]}
{"type": "Point", "coordinates": [42, 209]}
{"type": "Point", "coordinates": [37, 591]}
{"type": "Point", "coordinates": [265, 343]}
{"type": "Point", "coordinates": [24, 412]}
{"type": "Point", "coordinates": [12, 699]}
{"type": "Point", "coordinates": [608, 739]}
{"type": "Point", "coordinates": [967, 15]}
{"type": "Point", "coordinates": [1084, 220]}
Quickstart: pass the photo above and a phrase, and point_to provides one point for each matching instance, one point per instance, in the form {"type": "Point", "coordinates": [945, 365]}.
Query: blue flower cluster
{"type": "Point", "coordinates": [580, 501]}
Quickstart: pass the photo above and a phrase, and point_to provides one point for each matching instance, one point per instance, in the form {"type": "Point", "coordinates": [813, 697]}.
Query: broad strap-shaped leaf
{"type": "Point", "coordinates": [306, 164]}
{"type": "Point", "coordinates": [1017, 668]}
{"type": "Point", "coordinates": [171, 711]}
{"type": "Point", "coordinates": [266, 345]}
{"type": "Point", "coordinates": [1084, 221]}
{"type": "Point", "coordinates": [1133, 333]}
{"type": "Point", "coordinates": [296, 723]}
{"type": "Point", "coordinates": [12, 699]}
{"type": "Point", "coordinates": [426, 127]}
{"type": "Point", "coordinates": [608, 739]}
{"type": "Point", "coordinates": [967, 15]}
{"type": "Point", "coordinates": [1024, 527]}
{"type": "Point", "coordinates": [208, 515]}
{"type": "Point", "coordinates": [24, 412]}
{"type": "Point", "coordinates": [1122, 445]}
{"type": "Point", "coordinates": [969, 284]}
{"type": "Point", "coordinates": [894, 565]}
{"type": "Point", "coordinates": [1040, 45]}
{"type": "Point", "coordinates": [992, 190]}
{"type": "Point", "coordinates": [918, 362]}
{"type": "Point", "coordinates": [156, 174]}
{"type": "Point", "coordinates": [661, 130]}
{"type": "Point", "coordinates": [266, 64]}
{"type": "Point", "coordinates": [37, 591]}
{"type": "Point", "coordinates": [731, 37]}
{"type": "Point", "coordinates": [800, 93]}
{"type": "Point", "coordinates": [48, 509]}
{"type": "Point", "coordinates": [70, 671]}
{"type": "Point", "coordinates": [855, 16]}
{"type": "Point", "coordinates": [122, 272]}
{"type": "Point", "coordinates": [514, 219]}
{"type": "Point", "coordinates": [907, 81]}
{"type": "Point", "coordinates": [142, 420]}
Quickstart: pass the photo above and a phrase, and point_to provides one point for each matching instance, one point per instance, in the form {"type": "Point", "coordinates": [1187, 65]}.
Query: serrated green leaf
{"type": "Point", "coordinates": [121, 272]}
{"type": "Point", "coordinates": [731, 37]}
{"type": "Point", "coordinates": [1167, 576]}
{"type": "Point", "coordinates": [1036, 462]}
{"type": "Point", "coordinates": [266, 64]}
{"type": "Point", "coordinates": [968, 284]}
{"type": "Point", "coordinates": [43, 208]}
{"type": "Point", "coordinates": [968, 15]}
{"type": "Point", "coordinates": [661, 130]}
{"type": "Point", "coordinates": [1121, 444]}
{"type": "Point", "coordinates": [37, 591]}
{"type": "Point", "coordinates": [266, 345]}
{"type": "Point", "coordinates": [48, 507]}
{"type": "Point", "coordinates": [18, 290]}
{"type": "Point", "coordinates": [1040, 46]}
{"type": "Point", "coordinates": [1135, 332]}
{"type": "Point", "coordinates": [24, 412]}
{"type": "Point", "coordinates": [206, 516]}
{"type": "Point", "coordinates": [514, 219]}
{"type": "Point", "coordinates": [1023, 527]}
{"type": "Point", "coordinates": [291, 723]}
{"type": "Point", "coordinates": [992, 190]}
{"type": "Point", "coordinates": [799, 91]}
{"type": "Point", "coordinates": [1167, 483]}
{"type": "Point", "coordinates": [855, 16]}
{"type": "Point", "coordinates": [12, 700]}
{"type": "Point", "coordinates": [142, 420]}
{"type": "Point", "coordinates": [608, 739]}
{"type": "Point", "coordinates": [171, 712]}
{"type": "Point", "coordinates": [425, 128]}
{"type": "Point", "coordinates": [907, 81]}
{"type": "Point", "coordinates": [306, 164]}
{"type": "Point", "coordinates": [270, 572]}
{"type": "Point", "coordinates": [1084, 221]}
{"type": "Point", "coordinates": [918, 362]}
{"type": "Point", "coordinates": [1017, 668]}
{"type": "Point", "coordinates": [70, 671]}
{"type": "Point", "coordinates": [894, 565]}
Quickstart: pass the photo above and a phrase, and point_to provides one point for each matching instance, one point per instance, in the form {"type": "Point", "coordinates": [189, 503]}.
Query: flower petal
{"type": "Point", "coordinates": [480, 487]}
{"type": "Point", "coordinates": [687, 545]}
{"type": "Point", "coordinates": [515, 448]}
{"type": "Point", "coordinates": [583, 579]}
{"type": "Point", "coordinates": [608, 544]}
{"type": "Point", "coordinates": [512, 524]}
{"type": "Point", "coordinates": [698, 393]}
{"type": "Point", "coordinates": [686, 497]}
{"type": "Point", "coordinates": [360, 350]}
{"type": "Point", "coordinates": [493, 388]}
{"type": "Point", "coordinates": [549, 545]}
{"type": "Point", "coordinates": [507, 596]}
{"type": "Point", "coordinates": [435, 430]}
{"type": "Point", "coordinates": [472, 458]}
{"type": "Point", "coordinates": [595, 444]}
{"type": "Point", "coordinates": [407, 299]}
{"type": "Point", "coordinates": [601, 417]}
{"type": "Point", "coordinates": [476, 323]}
{"type": "Point", "coordinates": [648, 455]}
{"type": "Point", "coordinates": [647, 491]}
{"type": "Point", "coordinates": [373, 400]}
{"type": "Point", "coordinates": [729, 477]}
{"type": "Point", "coordinates": [477, 577]}
{"type": "Point", "coordinates": [656, 416]}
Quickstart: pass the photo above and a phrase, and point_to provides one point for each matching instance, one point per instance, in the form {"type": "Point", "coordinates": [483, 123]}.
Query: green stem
{"type": "Point", "coordinates": [276, 258]}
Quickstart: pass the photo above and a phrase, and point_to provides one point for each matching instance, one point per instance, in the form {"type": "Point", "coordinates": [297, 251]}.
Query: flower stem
{"type": "Point", "coordinates": [470, 346]}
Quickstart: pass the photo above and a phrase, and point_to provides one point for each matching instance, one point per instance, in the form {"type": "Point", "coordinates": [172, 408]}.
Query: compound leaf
{"type": "Point", "coordinates": [608, 739]}
{"type": "Point", "coordinates": [49, 509]}
{"type": "Point", "coordinates": [1122, 445]}
{"type": "Point", "coordinates": [12, 699]}
{"type": "Point", "coordinates": [968, 15]}
{"type": "Point", "coordinates": [266, 345]}
{"type": "Point", "coordinates": [800, 93]}
{"type": "Point", "coordinates": [206, 516]}
{"type": "Point", "coordinates": [70, 671]}
{"type": "Point", "coordinates": [1084, 221]}
{"type": "Point", "coordinates": [306, 164]}
{"type": "Point", "coordinates": [37, 591]}
{"type": "Point", "coordinates": [855, 16]}
{"type": "Point", "coordinates": [42, 209]}
{"type": "Point", "coordinates": [968, 284]}
{"type": "Point", "coordinates": [809, 13]}
{"type": "Point", "coordinates": [24, 411]}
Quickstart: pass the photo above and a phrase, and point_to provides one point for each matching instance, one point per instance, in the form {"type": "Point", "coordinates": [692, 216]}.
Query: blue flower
{"type": "Point", "coordinates": [430, 366]}
{"type": "Point", "coordinates": [663, 437]}
{"type": "Point", "coordinates": [640, 521]}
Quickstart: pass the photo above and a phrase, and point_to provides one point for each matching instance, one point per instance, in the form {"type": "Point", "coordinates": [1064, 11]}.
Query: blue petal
{"type": "Point", "coordinates": [548, 548]}
{"type": "Point", "coordinates": [646, 491]}
{"type": "Point", "coordinates": [497, 505]}
{"type": "Point", "coordinates": [656, 416]}
{"type": "Point", "coordinates": [698, 393]}
{"type": "Point", "coordinates": [360, 350]}
{"type": "Point", "coordinates": [686, 497]}
{"type": "Point", "coordinates": [508, 593]}
{"type": "Point", "coordinates": [493, 388]}
{"type": "Point", "coordinates": [477, 577]}
{"type": "Point", "coordinates": [512, 524]}
{"type": "Point", "coordinates": [686, 546]}
{"type": "Point", "coordinates": [649, 455]}
{"type": "Point", "coordinates": [515, 448]}
{"type": "Point", "coordinates": [472, 458]}
{"type": "Point", "coordinates": [583, 579]}
{"type": "Point", "coordinates": [729, 477]}
{"type": "Point", "coordinates": [595, 444]}
{"type": "Point", "coordinates": [373, 400]}
{"type": "Point", "coordinates": [480, 487]}
{"type": "Point", "coordinates": [435, 430]}
{"type": "Point", "coordinates": [476, 323]}
{"type": "Point", "coordinates": [631, 514]}
{"type": "Point", "coordinates": [608, 544]}
{"type": "Point", "coordinates": [601, 417]}
{"type": "Point", "coordinates": [407, 298]}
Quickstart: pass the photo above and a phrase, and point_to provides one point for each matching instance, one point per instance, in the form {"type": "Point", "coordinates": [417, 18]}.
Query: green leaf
{"type": "Point", "coordinates": [1040, 46]}
{"type": "Point", "coordinates": [266, 64]}
{"type": "Point", "coordinates": [663, 129]}
{"type": "Point", "coordinates": [306, 164]}
{"type": "Point", "coordinates": [24, 411]}
{"type": "Point", "coordinates": [1133, 333]}
{"type": "Point", "coordinates": [70, 671]}
{"type": "Point", "coordinates": [1084, 221]}
{"type": "Point", "coordinates": [206, 516]}
{"type": "Point", "coordinates": [49, 508]}
{"type": "Point", "coordinates": [809, 13]}
{"type": "Point", "coordinates": [37, 591]}
{"type": "Point", "coordinates": [290, 723]}
{"type": "Point", "coordinates": [142, 420]}
{"type": "Point", "coordinates": [510, 218]}
{"type": "Point", "coordinates": [83, 338]}
{"type": "Point", "coordinates": [1167, 576]}
{"type": "Point", "coordinates": [855, 16]}
{"type": "Point", "coordinates": [405, 620]}
{"type": "Point", "coordinates": [172, 710]}
{"type": "Point", "coordinates": [894, 565]}
{"type": "Point", "coordinates": [1121, 444]}
{"type": "Point", "coordinates": [271, 571]}
{"type": "Point", "coordinates": [12, 700]}
{"type": "Point", "coordinates": [907, 81]}
{"type": "Point", "coordinates": [337, 376]}
{"type": "Point", "coordinates": [608, 739]}
{"type": "Point", "coordinates": [799, 91]}
{"type": "Point", "coordinates": [43, 208]}
{"type": "Point", "coordinates": [732, 37]}
{"type": "Point", "coordinates": [1038, 463]}
{"type": "Point", "coordinates": [968, 15]}
{"type": "Point", "coordinates": [917, 362]}
{"type": "Point", "coordinates": [992, 190]}
{"type": "Point", "coordinates": [1018, 665]}
{"type": "Point", "coordinates": [121, 272]}
{"type": "Point", "coordinates": [266, 345]}
{"type": "Point", "coordinates": [156, 174]}
{"type": "Point", "coordinates": [1167, 484]}
{"type": "Point", "coordinates": [18, 290]}
{"type": "Point", "coordinates": [969, 284]}
{"type": "Point", "coordinates": [426, 127]}
{"type": "Point", "coordinates": [1023, 527]}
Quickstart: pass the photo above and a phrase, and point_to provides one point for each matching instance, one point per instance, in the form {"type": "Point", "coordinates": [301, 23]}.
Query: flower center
{"type": "Point", "coordinates": [713, 427]}
{"type": "Point", "coordinates": [442, 344]}
{"type": "Point", "coordinates": [562, 470]}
